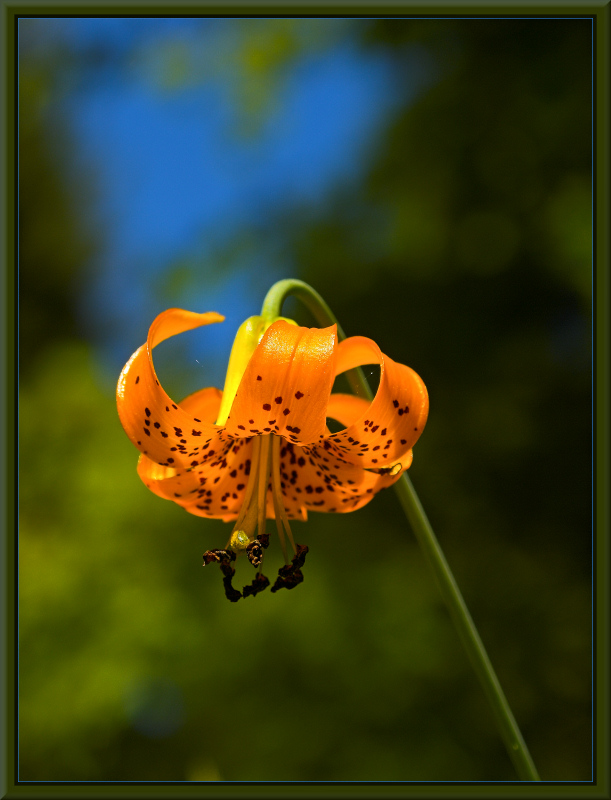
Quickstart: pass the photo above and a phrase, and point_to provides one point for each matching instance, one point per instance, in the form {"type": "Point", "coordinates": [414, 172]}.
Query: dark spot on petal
{"type": "Point", "coordinates": [267, 407]}
{"type": "Point", "coordinates": [259, 378]}
{"type": "Point", "coordinates": [157, 425]}
{"type": "Point", "coordinates": [146, 430]}
{"type": "Point", "coordinates": [137, 378]}
{"type": "Point", "coordinates": [286, 411]}
{"type": "Point", "coordinates": [299, 395]}
{"type": "Point", "coordinates": [241, 427]}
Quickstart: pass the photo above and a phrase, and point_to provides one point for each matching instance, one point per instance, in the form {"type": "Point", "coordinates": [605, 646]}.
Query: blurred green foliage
{"type": "Point", "coordinates": [466, 254]}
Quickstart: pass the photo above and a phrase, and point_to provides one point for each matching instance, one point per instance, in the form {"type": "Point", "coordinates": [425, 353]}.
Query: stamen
{"type": "Point", "coordinates": [279, 511]}
{"type": "Point", "coordinates": [291, 575]}
{"type": "Point", "coordinates": [265, 475]}
{"type": "Point", "coordinates": [279, 525]}
{"type": "Point", "coordinates": [259, 583]}
{"type": "Point", "coordinates": [393, 470]}
{"type": "Point", "coordinates": [254, 551]}
{"type": "Point", "coordinates": [264, 465]}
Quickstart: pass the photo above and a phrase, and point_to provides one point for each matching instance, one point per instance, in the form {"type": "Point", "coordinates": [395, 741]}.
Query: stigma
{"type": "Point", "coordinates": [249, 535]}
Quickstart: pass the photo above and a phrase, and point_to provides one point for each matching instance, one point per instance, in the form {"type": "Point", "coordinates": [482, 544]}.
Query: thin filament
{"type": "Point", "coordinates": [264, 459]}
{"type": "Point", "coordinates": [277, 495]}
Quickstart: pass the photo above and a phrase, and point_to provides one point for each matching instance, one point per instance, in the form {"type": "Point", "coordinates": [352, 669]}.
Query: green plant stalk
{"type": "Point", "coordinates": [508, 727]}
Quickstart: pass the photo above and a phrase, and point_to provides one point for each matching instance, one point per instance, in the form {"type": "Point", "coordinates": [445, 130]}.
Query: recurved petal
{"type": "Point", "coordinates": [203, 404]}
{"type": "Point", "coordinates": [318, 479]}
{"type": "Point", "coordinates": [160, 428]}
{"type": "Point", "coordinates": [384, 432]}
{"type": "Point", "coordinates": [215, 488]}
{"type": "Point", "coordinates": [286, 386]}
{"type": "Point", "coordinates": [346, 408]}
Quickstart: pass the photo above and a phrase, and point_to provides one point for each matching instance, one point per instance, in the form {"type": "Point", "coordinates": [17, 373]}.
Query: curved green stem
{"type": "Point", "coordinates": [508, 727]}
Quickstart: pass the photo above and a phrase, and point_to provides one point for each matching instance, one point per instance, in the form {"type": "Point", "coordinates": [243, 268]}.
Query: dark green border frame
{"type": "Point", "coordinates": [601, 15]}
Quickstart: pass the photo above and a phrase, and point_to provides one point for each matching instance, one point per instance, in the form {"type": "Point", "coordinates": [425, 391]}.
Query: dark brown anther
{"type": "Point", "coordinates": [212, 555]}
{"type": "Point", "coordinates": [228, 573]}
{"type": "Point", "coordinates": [288, 581]}
{"type": "Point", "coordinates": [224, 559]}
{"type": "Point", "coordinates": [264, 540]}
{"type": "Point", "coordinates": [290, 575]}
{"type": "Point", "coordinates": [218, 556]}
{"type": "Point", "coordinates": [226, 568]}
{"type": "Point", "coordinates": [300, 555]}
{"type": "Point", "coordinates": [254, 551]}
{"type": "Point", "coordinates": [259, 583]}
{"type": "Point", "coordinates": [230, 593]}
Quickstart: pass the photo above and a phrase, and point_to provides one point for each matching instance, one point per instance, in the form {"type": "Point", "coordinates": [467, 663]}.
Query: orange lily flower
{"type": "Point", "coordinates": [261, 448]}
